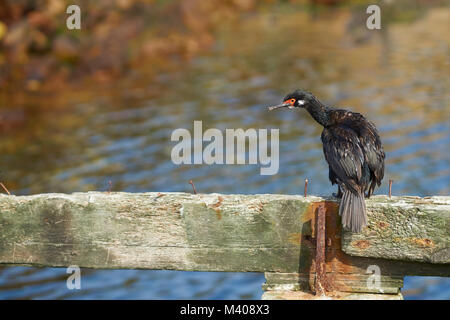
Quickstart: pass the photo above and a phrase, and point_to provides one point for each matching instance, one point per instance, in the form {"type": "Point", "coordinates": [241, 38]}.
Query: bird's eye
{"type": "Point", "coordinates": [289, 101]}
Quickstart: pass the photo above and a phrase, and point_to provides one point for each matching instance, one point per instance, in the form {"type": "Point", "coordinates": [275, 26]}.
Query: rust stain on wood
{"type": "Point", "coordinates": [423, 243]}
{"type": "Point", "coordinates": [218, 203]}
{"type": "Point", "coordinates": [338, 263]}
{"type": "Point", "coordinates": [383, 224]}
{"type": "Point", "coordinates": [361, 244]}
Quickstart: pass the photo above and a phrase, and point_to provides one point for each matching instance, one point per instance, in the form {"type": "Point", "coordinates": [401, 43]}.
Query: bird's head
{"type": "Point", "coordinates": [296, 99]}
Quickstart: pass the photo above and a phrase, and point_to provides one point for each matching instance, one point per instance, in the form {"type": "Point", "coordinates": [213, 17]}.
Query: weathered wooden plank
{"type": "Point", "coordinates": [175, 231]}
{"type": "Point", "coordinates": [179, 231]}
{"type": "Point", "coordinates": [404, 228]}
{"type": "Point", "coordinates": [300, 295]}
{"type": "Point", "coordinates": [340, 282]}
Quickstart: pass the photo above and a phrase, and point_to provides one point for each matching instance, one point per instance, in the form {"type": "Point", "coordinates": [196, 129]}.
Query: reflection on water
{"type": "Point", "coordinates": [49, 283]}
{"type": "Point", "coordinates": [397, 77]}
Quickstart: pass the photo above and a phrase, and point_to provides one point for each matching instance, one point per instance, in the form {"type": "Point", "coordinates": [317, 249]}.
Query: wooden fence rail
{"type": "Point", "coordinates": [275, 234]}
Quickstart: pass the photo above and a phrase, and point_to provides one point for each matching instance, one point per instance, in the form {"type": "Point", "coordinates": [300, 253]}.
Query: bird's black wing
{"type": "Point", "coordinates": [373, 150]}
{"type": "Point", "coordinates": [344, 154]}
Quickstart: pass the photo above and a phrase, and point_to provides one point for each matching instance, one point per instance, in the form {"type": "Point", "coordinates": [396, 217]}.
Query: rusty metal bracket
{"type": "Point", "coordinates": [320, 280]}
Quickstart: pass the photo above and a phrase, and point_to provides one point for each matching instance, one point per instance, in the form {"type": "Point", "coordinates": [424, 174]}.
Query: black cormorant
{"type": "Point", "coordinates": [353, 150]}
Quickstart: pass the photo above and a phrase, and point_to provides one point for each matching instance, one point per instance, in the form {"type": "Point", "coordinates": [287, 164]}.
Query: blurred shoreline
{"type": "Point", "coordinates": [124, 40]}
{"type": "Point", "coordinates": [117, 39]}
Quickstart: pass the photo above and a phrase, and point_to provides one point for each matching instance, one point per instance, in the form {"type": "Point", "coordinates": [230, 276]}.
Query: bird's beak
{"type": "Point", "coordinates": [282, 105]}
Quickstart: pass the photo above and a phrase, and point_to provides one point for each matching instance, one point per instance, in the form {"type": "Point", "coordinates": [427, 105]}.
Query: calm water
{"type": "Point", "coordinates": [397, 77]}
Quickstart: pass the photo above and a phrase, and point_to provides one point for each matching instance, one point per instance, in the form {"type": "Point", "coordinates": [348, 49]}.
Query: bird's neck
{"type": "Point", "coordinates": [319, 112]}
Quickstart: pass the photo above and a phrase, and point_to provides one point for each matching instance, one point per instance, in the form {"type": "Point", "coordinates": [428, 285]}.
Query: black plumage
{"type": "Point", "coordinates": [353, 150]}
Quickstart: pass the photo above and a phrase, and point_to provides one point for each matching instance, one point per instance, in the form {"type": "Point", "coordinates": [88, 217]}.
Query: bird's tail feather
{"type": "Point", "coordinates": [353, 211]}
